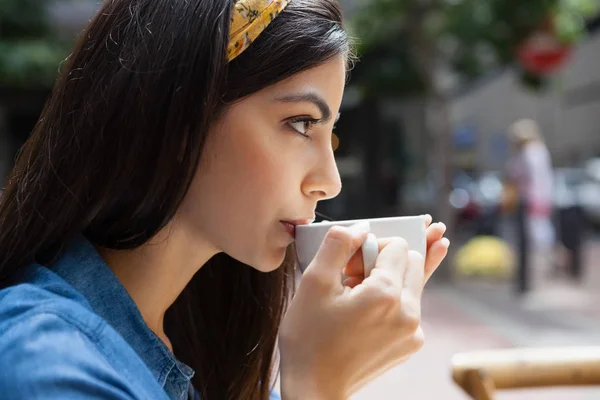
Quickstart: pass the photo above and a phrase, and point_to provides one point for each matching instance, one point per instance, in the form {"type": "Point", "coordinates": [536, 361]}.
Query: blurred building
{"type": "Point", "coordinates": [568, 111]}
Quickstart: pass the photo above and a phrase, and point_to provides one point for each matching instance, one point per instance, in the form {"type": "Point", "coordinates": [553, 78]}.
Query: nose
{"type": "Point", "coordinates": [323, 181]}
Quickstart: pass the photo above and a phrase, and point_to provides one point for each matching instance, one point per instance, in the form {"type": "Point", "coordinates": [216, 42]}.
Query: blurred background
{"type": "Point", "coordinates": [483, 113]}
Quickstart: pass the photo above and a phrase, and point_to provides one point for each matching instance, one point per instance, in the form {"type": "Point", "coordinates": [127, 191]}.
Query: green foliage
{"type": "Point", "coordinates": [469, 36]}
{"type": "Point", "coordinates": [570, 18]}
{"type": "Point", "coordinates": [30, 50]}
{"type": "Point", "coordinates": [486, 33]}
{"type": "Point", "coordinates": [29, 64]}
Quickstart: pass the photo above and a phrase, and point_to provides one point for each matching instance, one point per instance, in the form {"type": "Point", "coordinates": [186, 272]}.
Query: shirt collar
{"type": "Point", "coordinates": [83, 268]}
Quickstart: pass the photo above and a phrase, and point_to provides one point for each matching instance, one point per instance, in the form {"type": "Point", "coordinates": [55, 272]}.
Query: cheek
{"type": "Point", "coordinates": [260, 169]}
{"type": "Point", "coordinates": [265, 172]}
{"type": "Point", "coordinates": [239, 191]}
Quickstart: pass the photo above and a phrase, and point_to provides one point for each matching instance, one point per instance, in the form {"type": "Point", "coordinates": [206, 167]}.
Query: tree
{"type": "Point", "coordinates": [30, 55]}
{"type": "Point", "coordinates": [30, 49]}
{"type": "Point", "coordinates": [404, 44]}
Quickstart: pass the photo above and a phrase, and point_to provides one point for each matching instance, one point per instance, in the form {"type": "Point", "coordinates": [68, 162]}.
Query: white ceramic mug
{"type": "Point", "coordinates": [411, 229]}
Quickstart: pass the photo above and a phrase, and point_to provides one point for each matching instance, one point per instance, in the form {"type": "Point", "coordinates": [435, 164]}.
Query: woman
{"type": "Point", "coordinates": [530, 174]}
{"type": "Point", "coordinates": [146, 232]}
{"type": "Point", "coordinates": [531, 171]}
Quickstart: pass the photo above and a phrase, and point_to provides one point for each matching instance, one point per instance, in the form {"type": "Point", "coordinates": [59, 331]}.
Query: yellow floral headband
{"type": "Point", "coordinates": [248, 20]}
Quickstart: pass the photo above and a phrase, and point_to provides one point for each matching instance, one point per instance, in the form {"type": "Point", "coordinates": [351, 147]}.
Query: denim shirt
{"type": "Point", "coordinates": [73, 332]}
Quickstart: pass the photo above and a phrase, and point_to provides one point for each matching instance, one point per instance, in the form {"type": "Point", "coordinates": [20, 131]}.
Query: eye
{"type": "Point", "coordinates": [302, 124]}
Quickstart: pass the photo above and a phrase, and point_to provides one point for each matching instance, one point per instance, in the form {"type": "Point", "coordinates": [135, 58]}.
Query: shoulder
{"type": "Point", "coordinates": [49, 347]}
{"type": "Point", "coordinates": [536, 150]}
{"type": "Point", "coordinates": [47, 357]}
{"type": "Point", "coordinates": [43, 296]}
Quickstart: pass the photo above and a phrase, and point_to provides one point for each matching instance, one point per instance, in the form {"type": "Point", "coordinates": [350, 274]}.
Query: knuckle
{"type": "Point", "coordinates": [418, 339]}
{"type": "Point", "coordinates": [313, 280]}
{"type": "Point", "coordinates": [416, 257]}
{"type": "Point", "coordinates": [390, 302]}
{"type": "Point", "coordinates": [400, 243]}
{"type": "Point", "coordinates": [339, 235]}
{"type": "Point", "coordinates": [386, 301]}
{"type": "Point", "coordinates": [337, 232]}
{"type": "Point", "coordinates": [411, 324]}
{"type": "Point", "coordinates": [383, 277]}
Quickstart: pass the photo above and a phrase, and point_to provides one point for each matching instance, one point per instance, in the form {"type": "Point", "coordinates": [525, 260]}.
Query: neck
{"type": "Point", "coordinates": [156, 273]}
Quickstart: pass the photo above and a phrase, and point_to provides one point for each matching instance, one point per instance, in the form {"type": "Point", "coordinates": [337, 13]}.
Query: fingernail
{"type": "Point", "coordinates": [446, 242]}
{"type": "Point", "coordinates": [361, 227]}
{"type": "Point", "coordinates": [442, 225]}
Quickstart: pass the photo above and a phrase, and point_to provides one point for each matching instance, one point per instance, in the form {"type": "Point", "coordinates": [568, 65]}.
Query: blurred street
{"type": "Point", "coordinates": [478, 315]}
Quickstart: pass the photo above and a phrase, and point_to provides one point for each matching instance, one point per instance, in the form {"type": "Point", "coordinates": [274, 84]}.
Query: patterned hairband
{"type": "Point", "coordinates": [248, 20]}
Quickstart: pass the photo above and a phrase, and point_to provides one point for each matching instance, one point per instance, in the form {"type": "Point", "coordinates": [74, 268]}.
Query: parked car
{"type": "Point", "coordinates": [578, 187]}
{"type": "Point", "coordinates": [474, 199]}
{"type": "Point", "coordinates": [589, 191]}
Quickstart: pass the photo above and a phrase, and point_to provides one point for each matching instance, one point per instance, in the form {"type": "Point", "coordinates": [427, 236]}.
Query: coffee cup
{"type": "Point", "coordinates": [411, 229]}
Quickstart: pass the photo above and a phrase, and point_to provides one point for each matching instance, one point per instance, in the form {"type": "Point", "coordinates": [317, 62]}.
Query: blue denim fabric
{"type": "Point", "coordinates": [73, 332]}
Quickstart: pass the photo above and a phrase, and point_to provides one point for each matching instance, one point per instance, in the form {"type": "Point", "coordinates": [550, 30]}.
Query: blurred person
{"type": "Point", "coordinates": [530, 173]}
{"type": "Point", "coordinates": [146, 232]}
{"type": "Point", "coordinates": [531, 170]}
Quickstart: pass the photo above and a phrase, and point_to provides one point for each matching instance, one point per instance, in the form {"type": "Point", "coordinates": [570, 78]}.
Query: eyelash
{"type": "Point", "coordinates": [307, 120]}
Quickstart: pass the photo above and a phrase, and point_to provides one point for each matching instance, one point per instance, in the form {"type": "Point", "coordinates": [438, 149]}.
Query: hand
{"type": "Point", "coordinates": [437, 249]}
{"type": "Point", "coordinates": [336, 338]}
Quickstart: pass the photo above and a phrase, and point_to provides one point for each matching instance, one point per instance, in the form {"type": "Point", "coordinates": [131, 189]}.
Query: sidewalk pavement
{"type": "Point", "coordinates": [557, 311]}
{"type": "Point", "coordinates": [451, 328]}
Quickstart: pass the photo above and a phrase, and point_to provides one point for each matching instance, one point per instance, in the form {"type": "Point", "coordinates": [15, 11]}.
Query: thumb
{"type": "Point", "coordinates": [338, 246]}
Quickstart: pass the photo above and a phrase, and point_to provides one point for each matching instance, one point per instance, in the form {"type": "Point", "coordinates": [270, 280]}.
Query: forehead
{"type": "Point", "coordinates": [327, 79]}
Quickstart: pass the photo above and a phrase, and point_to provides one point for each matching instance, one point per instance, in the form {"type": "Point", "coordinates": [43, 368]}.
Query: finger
{"type": "Point", "coordinates": [393, 257]}
{"type": "Point", "coordinates": [383, 242]}
{"type": "Point", "coordinates": [413, 288]}
{"type": "Point", "coordinates": [435, 232]}
{"type": "Point", "coordinates": [414, 277]}
{"type": "Point", "coordinates": [435, 256]}
{"type": "Point", "coordinates": [353, 281]}
{"type": "Point", "coordinates": [338, 246]}
{"type": "Point", "coordinates": [428, 220]}
{"type": "Point", "coordinates": [355, 265]}
{"type": "Point", "coordinates": [355, 268]}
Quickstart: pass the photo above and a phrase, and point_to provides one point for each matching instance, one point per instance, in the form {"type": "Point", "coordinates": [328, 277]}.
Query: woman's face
{"type": "Point", "coordinates": [267, 163]}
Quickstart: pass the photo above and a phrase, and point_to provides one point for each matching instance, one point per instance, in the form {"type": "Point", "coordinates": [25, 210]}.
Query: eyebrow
{"type": "Point", "coordinates": [309, 98]}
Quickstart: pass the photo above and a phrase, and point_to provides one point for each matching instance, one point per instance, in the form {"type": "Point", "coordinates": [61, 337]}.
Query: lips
{"type": "Point", "coordinates": [290, 226]}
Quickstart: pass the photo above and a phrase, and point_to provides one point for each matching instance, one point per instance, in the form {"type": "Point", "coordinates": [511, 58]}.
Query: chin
{"type": "Point", "coordinates": [270, 260]}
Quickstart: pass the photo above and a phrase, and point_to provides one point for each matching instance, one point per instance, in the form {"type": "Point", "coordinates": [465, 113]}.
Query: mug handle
{"type": "Point", "coordinates": [370, 251]}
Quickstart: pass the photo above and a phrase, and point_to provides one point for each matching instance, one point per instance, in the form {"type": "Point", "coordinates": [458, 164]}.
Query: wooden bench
{"type": "Point", "coordinates": [481, 373]}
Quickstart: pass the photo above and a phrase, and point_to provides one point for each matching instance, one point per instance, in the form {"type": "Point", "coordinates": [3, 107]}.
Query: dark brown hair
{"type": "Point", "coordinates": [119, 141]}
